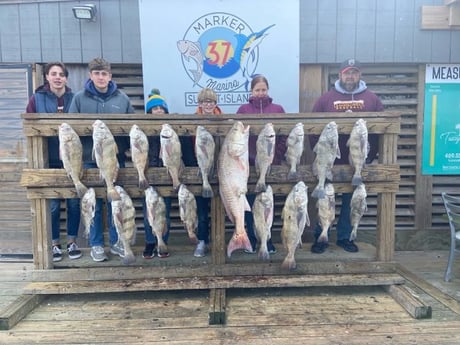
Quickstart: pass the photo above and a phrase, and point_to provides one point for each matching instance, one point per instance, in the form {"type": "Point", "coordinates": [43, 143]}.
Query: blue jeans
{"type": "Point", "coordinates": [202, 205]}
{"type": "Point", "coordinates": [150, 238]}
{"type": "Point", "coordinates": [96, 231]}
{"type": "Point", "coordinates": [73, 218]}
{"type": "Point", "coordinates": [344, 223]}
{"type": "Point", "coordinates": [249, 220]}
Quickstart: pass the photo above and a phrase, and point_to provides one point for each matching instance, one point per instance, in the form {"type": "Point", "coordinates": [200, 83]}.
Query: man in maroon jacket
{"type": "Point", "coordinates": [350, 94]}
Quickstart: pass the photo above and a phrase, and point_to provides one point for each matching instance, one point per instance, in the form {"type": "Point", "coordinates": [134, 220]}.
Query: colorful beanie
{"type": "Point", "coordinates": [156, 100]}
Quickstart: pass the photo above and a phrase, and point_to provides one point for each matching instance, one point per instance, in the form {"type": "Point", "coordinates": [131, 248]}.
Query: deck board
{"type": "Point", "coordinates": [331, 315]}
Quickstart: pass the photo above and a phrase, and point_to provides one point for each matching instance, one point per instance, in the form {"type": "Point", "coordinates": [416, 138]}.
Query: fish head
{"type": "Point", "coordinates": [134, 131]}
{"type": "Point", "coordinates": [237, 139]}
{"type": "Point", "coordinates": [266, 198]}
{"type": "Point", "coordinates": [361, 190]}
{"type": "Point", "coordinates": [151, 196]}
{"type": "Point", "coordinates": [298, 129]}
{"type": "Point", "coordinates": [89, 198]}
{"type": "Point", "coordinates": [166, 131]}
{"type": "Point", "coordinates": [183, 193]}
{"type": "Point", "coordinates": [360, 127]}
{"type": "Point", "coordinates": [65, 132]}
{"type": "Point", "coordinates": [183, 46]}
{"type": "Point", "coordinates": [269, 132]}
{"type": "Point", "coordinates": [300, 194]}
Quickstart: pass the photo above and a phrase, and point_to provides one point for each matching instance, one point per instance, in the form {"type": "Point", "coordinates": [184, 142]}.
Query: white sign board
{"type": "Point", "coordinates": [190, 45]}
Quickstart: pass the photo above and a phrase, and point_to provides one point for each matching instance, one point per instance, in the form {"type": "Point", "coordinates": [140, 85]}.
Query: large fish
{"type": "Point", "coordinates": [326, 211]}
{"type": "Point", "coordinates": [105, 152]}
{"type": "Point", "coordinates": [358, 206]}
{"type": "Point", "coordinates": [87, 211]}
{"type": "Point", "coordinates": [233, 173]}
{"type": "Point", "coordinates": [192, 50]}
{"type": "Point", "coordinates": [262, 211]}
{"type": "Point", "coordinates": [294, 144]}
{"type": "Point", "coordinates": [123, 214]}
{"type": "Point", "coordinates": [264, 154]}
{"type": "Point", "coordinates": [295, 217]}
{"type": "Point", "coordinates": [171, 153]}
{"type": "Point", "coordinates": [139, 153]}
{"type": "Point", "coordinates": [359, 148]}
{"type": "Point", "coordinates": [204, 149]}
{"type": "Point", "coordinates": [188, 212]}
{"type": "Point", "coordinates": [327, 150]}
{"type": "Point", "coordinates": [156, 215]}
{"type": "Point", "coordinates": [70, 153]}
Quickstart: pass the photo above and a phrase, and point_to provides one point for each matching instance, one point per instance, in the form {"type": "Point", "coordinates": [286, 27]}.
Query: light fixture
{"type": "Point", "coordinates": [87, 12]}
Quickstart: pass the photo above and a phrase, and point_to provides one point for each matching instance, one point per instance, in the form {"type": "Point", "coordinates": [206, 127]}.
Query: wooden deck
{"type": "Point", "coordinates": [313, 315]}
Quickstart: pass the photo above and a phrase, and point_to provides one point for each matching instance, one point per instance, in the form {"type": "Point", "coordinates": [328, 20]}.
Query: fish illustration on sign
{"type": "Point", "coordinates": [192, 50]}
{"type": "Point", "coordinates": [244, 52]}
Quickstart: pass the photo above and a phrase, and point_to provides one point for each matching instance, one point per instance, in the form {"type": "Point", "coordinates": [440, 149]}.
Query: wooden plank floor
{"type": "Point", "coordinates": [341, 315]}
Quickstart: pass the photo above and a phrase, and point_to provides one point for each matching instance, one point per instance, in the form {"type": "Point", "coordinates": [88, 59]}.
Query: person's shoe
{"type": "Point", "coordinates": [98, 254]}
{"type": "Point", "coordinates": [252, 251]}
{"type": "Point", "coordinates": [348, 246]}
{"type": "Point", "coordinates": [319, 247]}
{"type": "Point", "coordinates": [149, 251]}
{"type": "Point", "coordinates": [73, 251]}
{"type": "Point", "coordinates": [271, 248]}
{"type": "Point", "coordinates": [117, 249]}
{"type": "Point", "coordinates": [200, 250]}
{"type": "Point", "coordinates": [57, 253]}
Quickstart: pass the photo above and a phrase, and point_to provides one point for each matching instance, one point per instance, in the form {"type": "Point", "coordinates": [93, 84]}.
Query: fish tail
{"type": "Point", "coordinates": [260, 186]}
{"type": "Point", "coordinates": [207, 192]}
{"type": "Point", "coordinates": [143, 183]}
{"type": "Point", "coordinates": [292, 175]}
{"type": "Point", "coordinates": [289, 263]}
{"type": "Point", "coordinates": [112, 194]}
{"type": "Point", "coordinates": [318, 192]}
{"type": "Point", "coordinates": [129, 257]}
{"type": "Point", "coordinates": [162, 246]}
{"type": "Point", "coordinates": [192, 236]}
{"type": "Point", "coordinates": [353, 233]}
{"type": "Point", "coordinates": [238, 241]}
{"type": "Point", "coordinates": [263, 251]}
{"type": "Point", "coordinates": [356, 180]}
{"type": "Point", "coordinates": [323, 238]}
{"type": "Point", "coordinates": [81, 189]}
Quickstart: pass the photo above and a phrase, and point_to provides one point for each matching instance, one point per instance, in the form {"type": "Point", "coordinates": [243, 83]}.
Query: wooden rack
{"type": "Point", "coordinates": [43, 184]}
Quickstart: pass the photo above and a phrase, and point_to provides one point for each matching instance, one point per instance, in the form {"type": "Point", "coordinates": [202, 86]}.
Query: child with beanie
{"type": "Point", "coordinates": [156, 104]}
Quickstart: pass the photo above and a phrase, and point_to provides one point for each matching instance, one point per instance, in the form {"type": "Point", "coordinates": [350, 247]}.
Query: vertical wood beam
{"type": "Point", "coordinates": [386, 204]}
{"type": "Point", "coordinates": [423, 183]}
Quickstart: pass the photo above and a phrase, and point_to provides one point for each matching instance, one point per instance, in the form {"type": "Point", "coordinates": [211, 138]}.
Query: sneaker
{"type": "Point", "coordinates": [271, 248]}
{"type": "Point", "coordinates": [98, 254]}
{"type": "Point", "coordinates": [252, 251]}
{"type": "Point", "coordinates": [348, 246]}
{"type": "Point", "coordinates": [117, 249]}
{"type": "Point", "coordinates": [319, 247]}
{"type": "Point", "coordinates": [201, 249]}
{"type": "Point", "coordinates": [73, 251]}
{"type": "Point", "coordinates": [149, 251]}
{"type": "Point", "coordinates": [57, 252]}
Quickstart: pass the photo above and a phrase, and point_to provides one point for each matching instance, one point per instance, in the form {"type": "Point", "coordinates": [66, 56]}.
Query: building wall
{"type": "Point", "coordinates": [374, 31]}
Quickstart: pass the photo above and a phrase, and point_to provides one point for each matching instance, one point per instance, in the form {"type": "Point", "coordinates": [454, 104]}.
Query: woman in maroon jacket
{"type": "Point", "coordinates": [260, 103]}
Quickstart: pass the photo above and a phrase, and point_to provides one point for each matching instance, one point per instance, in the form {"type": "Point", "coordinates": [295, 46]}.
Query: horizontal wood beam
{"type": "Point", "coordinates": [440, 18]}
{"type": "Point", "coordinates": [198, 283]}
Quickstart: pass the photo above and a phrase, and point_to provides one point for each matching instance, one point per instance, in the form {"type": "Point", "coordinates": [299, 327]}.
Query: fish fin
{"type": "Point", "coordinates": [356, 180]}
{"type": "Point", "coordinates": [144, 184]}
{"type": "Point", "coordinates": [318, 192]}
{"type": "Point", "coordinates": [289, 263]}
{"type": "Point", "coordinates": [207, 192]}
{"type": "Point", "coordinates": [81, 189]}
{"type": "Point", "coordinates": [247, 207]}
{"type": "Point", "coordinates": [263, 253]}
{"type": "Point", "coordinates": [238, 241]}
{"type": "Point", "coordinates": [338, 154]}
{"type": "Point", "coordinates": [112, 195]}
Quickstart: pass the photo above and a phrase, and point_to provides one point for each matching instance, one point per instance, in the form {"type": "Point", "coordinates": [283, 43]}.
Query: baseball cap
{"type": "Point", "coordinates": [349, 64]}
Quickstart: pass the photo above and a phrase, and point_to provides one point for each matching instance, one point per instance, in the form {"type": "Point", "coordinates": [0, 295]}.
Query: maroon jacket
{"type": "Point", "coordinates": [264, 105]}
{"type": "Point", "coordinates": [338, 100]}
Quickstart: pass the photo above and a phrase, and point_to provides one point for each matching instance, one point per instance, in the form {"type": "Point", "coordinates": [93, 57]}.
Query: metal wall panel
{"type": "Point", "coordinates": [374, 31]}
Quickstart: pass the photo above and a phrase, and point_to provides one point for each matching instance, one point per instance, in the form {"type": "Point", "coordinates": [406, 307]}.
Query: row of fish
{"type": "Point", "coordinates": [233, 173]}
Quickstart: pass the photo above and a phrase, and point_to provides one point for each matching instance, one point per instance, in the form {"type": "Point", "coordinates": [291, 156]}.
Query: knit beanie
{"type": "Point", "coordinates": [155, 100]}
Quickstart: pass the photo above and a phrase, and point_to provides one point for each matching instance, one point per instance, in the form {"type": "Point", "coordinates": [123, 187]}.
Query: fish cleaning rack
{"type": "Point", "coordinates": [221, 273]}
